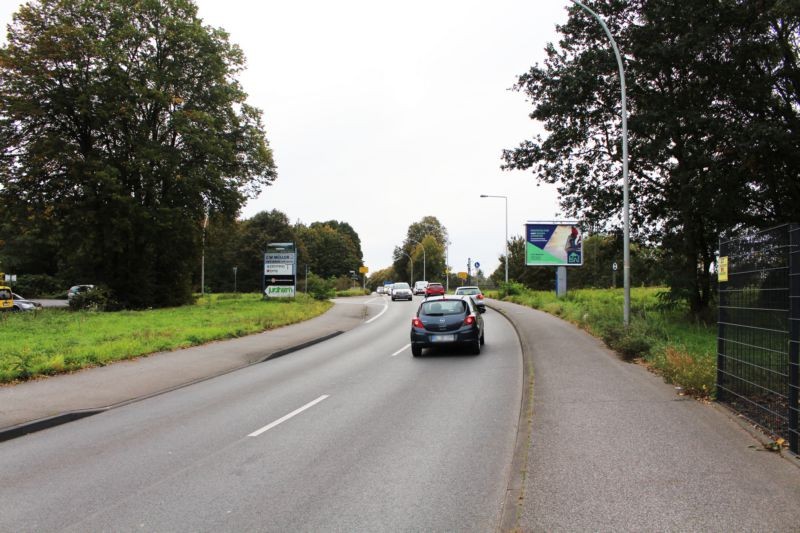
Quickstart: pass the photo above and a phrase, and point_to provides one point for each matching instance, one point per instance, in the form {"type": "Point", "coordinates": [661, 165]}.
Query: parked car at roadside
{"type": "Point", "coordinates": [476, 294]}
{"type": "Point", "coordinates": [402, 291]}
{"type": "Point", "coordinates": [78, 289]}
{"type": "Point", "coordinates": [434, 289]}
{"type": "Point", "coordinates": [6, 299]}
{"type": "Point", "coordinates": [447, 320]}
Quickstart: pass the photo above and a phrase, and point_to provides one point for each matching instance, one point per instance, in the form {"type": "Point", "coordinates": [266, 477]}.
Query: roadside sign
{"type": "Point", "coordinates": [280, 270]}
{"type": "Point", "coordinates": [363, 270]}
{"type": "Point", "coordinates": [553, 244]}
{"type": "Point", "coordinates": [477, 265]}
{"type": "Point", "coordinates": [280, 291]}
{"type": "Point", "coordinates": [462, 275]}
{"type": "Point", "coordinates": [614, 266]}
{"type": "Point", "coordinates": [722, 275]}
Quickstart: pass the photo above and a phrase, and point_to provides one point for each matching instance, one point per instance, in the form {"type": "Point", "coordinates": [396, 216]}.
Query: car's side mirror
{"type": "Point", "coordinates": [481, 310]}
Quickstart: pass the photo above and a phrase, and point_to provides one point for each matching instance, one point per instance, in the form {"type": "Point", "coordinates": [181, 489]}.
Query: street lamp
{"type": "Point", "coordinates": [412, 266]}
{"type": "Point", "coordinates": [424, 276]}
{"type": "Point", "coordinates": [506, 241]}
{"type": "Point", "coordinates": [626, 271]}
{"type": "Point", "coordinates": [203, 257]}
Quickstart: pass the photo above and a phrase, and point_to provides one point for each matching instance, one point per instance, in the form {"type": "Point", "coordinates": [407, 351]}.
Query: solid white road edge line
{"type": "Point", "coordinates": [376, 317]}
{"type": "Point", "coordinates": [401, 350]}
{"type": "Point", "coordinates": [287, 417]}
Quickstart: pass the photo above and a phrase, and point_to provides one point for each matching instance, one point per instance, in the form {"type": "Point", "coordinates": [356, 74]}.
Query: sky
{"type": "Point", "coordinates": [379, 114]}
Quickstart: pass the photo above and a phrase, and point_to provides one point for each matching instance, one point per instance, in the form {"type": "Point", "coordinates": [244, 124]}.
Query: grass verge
{"type": "Point", "coordinates": [54, 341]}
{"type": "Point", "coordinates": [357, 291]}
{"type": "Point", "coordinates": [683, 351]}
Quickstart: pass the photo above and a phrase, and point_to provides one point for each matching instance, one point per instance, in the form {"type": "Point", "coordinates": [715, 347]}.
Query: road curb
{"type": "Point", "coordinates": [515, 492]}
{"type": "Point", "coordinates": [13, 432]}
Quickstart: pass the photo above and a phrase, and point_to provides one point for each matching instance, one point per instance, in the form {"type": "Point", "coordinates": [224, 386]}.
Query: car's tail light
{"type": "Point", "coordinates": [469, 320]}
{"type": "Point", "coordinates": [416, 322]}
{"type": "Point", "coordinates": [480, 297]}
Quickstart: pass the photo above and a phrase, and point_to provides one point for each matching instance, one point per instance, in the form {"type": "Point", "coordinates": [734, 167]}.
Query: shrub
{"type": "Point", "coordinates": [319, 288]}
{"type": "Point", "coordinates": [97, 299]}
{"type": "Point", "coordinates": [512, 288]}
{"type": "Point", "coordinates": [39, 285]}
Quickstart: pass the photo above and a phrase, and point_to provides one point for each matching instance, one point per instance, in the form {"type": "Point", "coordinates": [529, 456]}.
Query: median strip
{"type": "Point", "coordinates": [287, 417]}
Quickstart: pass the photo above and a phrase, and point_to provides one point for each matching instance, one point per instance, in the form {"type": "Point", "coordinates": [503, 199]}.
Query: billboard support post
{"type": "Point", "coordinates": [561, 281]}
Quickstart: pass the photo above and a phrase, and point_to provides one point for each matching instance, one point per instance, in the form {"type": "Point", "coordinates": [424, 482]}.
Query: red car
{"type": "Point", "coordinates": [434, 289]}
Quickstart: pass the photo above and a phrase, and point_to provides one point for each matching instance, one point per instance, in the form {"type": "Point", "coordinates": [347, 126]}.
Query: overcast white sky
{"type": "Point", "coordinates": [381, 113]}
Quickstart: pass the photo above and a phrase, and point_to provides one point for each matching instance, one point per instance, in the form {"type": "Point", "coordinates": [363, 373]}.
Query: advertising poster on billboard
{"type": "Point", "coordinates": [553, 244]}
{"type": "Point", "coordinates": [280, 270]}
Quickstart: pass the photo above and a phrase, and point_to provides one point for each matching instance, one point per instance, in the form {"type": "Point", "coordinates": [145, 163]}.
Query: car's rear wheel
{"type": "Point", "coordinates": [476, 346]}
{"type": "Point", "coordinates": [416, 351]}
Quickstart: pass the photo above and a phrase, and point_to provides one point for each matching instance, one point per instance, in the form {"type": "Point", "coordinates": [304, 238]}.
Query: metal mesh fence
{"type": "Point", "coordinates": [758, 329]}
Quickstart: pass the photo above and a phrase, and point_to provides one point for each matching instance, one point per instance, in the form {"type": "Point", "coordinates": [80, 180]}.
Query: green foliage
{"type": "Point", "coordinates": [320, 288]}
{"type": "Point", "coordinates": [377, 278]}
{"type": "Point", "coordinates": [357, 291]}
{"type": "Point", "coordinates": [423, 251]}
{"type": "Point", "coordinates": [512, 288]}
{"type": "Point", "coordinates": [55, 341]}
{"type": "Point", "coordinates": [331, 249]}
{"type": "Point", "coordinates": [714, 104]}
{"type": "Point", "coordinates": [122, 126]}
{"type": "Point", "coordinates": [97, 299]}
{"type": "Point", "coordinates": [40, 285]}
{"type": "Point", "coordinates": [680, 348]}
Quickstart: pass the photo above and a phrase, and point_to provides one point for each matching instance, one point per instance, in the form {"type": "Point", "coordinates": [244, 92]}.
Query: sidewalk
{"type": "Point", "coordinates": [36, 405]}
{"type": "Point", "coordinates": [614, 448]}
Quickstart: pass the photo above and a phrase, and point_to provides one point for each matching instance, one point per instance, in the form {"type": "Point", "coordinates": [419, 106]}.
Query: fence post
{"type": "Point", "coordinates": [721, 318]}
{"type": "Point", "coordinates": [794, 336]}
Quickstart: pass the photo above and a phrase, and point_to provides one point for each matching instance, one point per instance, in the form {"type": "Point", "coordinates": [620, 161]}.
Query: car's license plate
{"type": "Point", "coordinates": [443, 338]}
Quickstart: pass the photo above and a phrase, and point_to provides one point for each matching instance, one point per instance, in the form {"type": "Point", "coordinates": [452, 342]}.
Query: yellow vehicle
{"type": "Point", "coordinates": [6, 299]}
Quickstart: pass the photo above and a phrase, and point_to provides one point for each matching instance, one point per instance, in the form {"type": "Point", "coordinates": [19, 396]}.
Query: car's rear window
{"type": "Point", "coordinates": [400, 286]}
{"type": "Point", "coordinates": [468, 292]}
{"type": "Point", "coordinates": [443, 307]}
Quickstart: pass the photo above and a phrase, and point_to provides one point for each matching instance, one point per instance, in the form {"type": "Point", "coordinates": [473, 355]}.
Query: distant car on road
{"type": "Point", "coordinates": [78, 289]}
{"type": "Point", "coordinates": [476, 294]}
{"type": "Point", "coordinates": [380, 289]}
{"type": "Point", "coordinates": [434, 289]}
{"type": "Point", "coordinates": [402, 291]}
{"type": "Point", "coordinates": [447, 320]}
{"type": "Point", "coordinates": [23, 304]}
{"type": "Point", "coordinates": [419, 287]}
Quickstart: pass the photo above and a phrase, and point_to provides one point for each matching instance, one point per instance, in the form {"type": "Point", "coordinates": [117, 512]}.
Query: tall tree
{"type": "Point", "coordinates": [329, 251]}
{"type": "Point", "coordinates": [714, 141]}
{"type": "Point", "coordinates": [121, 126]}
{"type": "Point", "coordinates": [425, 244]}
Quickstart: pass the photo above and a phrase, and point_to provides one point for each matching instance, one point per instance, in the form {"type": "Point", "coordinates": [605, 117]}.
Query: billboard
{"type": "Point", "coordinates": [553, 244]}
{"type": "Point", "coordinates": [280, 270]}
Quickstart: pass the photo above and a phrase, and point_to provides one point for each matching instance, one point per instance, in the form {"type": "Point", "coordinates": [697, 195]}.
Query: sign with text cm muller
{"type": "Point", "coordinates": [556, 243]}
{"type": "Point", "coordinates": [280, 270]}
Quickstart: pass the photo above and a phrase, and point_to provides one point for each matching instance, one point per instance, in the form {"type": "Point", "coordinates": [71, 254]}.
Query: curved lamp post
{"type": "Point", "coordinates": [412, 268]}
{"type": "Point", "coordinates": [626, 273]}
{"type": "Point", "coordinates": [506, 241]}
{"type": "Point", "coordinates": [424, 275]}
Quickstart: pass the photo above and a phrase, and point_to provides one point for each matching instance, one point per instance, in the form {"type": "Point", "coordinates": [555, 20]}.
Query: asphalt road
{"type": "Point", "coordinates": [353, 434]}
